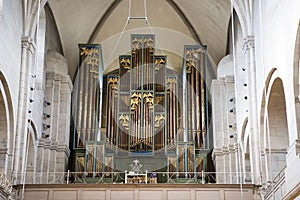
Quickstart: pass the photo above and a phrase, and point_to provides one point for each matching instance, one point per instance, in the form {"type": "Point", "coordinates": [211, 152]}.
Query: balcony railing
{"type": "Point", "coordinates": [5, 184]}
{"type": "Point", "coordinates": [119, 177]}
{"type": "Point", "coordinates": [276, 188]}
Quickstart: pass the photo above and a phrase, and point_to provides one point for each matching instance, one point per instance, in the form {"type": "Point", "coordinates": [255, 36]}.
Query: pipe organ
{"type": "Point", "coordinates": [141, 111]}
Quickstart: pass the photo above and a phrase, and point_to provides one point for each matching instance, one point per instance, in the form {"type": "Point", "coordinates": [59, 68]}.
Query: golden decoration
{"type": "Point", "coordinates": [89, 51]}
{"type": "Point", "coordinates": [148, 42]}
{"type": "Point", "coordinates": [157, 119]}
{"type": "Point", "coordinates": [136, 43]}
{"type": "Point", "coordinates": [158, 63]}
{"type": "Point", "coordinates": [113, 81]}
{"type": "Point", "coordinates": [170, 82]}
{"type": "Point", "coordinates": [135, 99]}
{"type": "Point", "coordinates": [124, 121]}
{"type": "Point", "coordinates": [189, 65]}
{"type": "Point", "coordinates": [93, 62]}
{"type": "Point", "coordinates": [125, 63]}
{"type": "Point", "coordinates": [194, 53]}
{"type": "Point", "coordinates": [148, 99]}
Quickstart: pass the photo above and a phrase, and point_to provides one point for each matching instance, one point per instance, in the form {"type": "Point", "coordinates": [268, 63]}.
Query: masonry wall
{"type": "Point", "coordinates": [10, 51]}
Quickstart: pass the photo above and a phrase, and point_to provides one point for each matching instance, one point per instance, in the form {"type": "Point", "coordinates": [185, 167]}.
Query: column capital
{"type": "Point", "coordinates": [248, 43]}
{"type": "Point", "coordinates": [28, 43]}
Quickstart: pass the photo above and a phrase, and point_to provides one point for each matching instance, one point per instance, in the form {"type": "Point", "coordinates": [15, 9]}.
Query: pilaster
{"type": "Point", "coordinates": [249, 51]}
{"type": "Point", "coordinates": [27, 52]}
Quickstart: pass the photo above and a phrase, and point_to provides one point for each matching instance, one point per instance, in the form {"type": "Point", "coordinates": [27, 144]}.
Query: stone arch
{"type": "Point", "coordinates": [6, 126]}
{"type": "Point", "coordinates": [30, 153]}
{"type": "Point", "coordinates": [247, 160]}
{"type": "Point", "coordinates": [275, 129]}
{"type": "Point", "coordinates": [296, 71]}
{"type": "Point", "coordinates": [240, 10]}
{"type": "Point", "coordinates": [246, 156]}
{"type": "Point", "coordinates": [30, 10]}
{"type": "Point", "coordinates": [1, 5]}
{"type": "Point", "coordinates": [263, 106]}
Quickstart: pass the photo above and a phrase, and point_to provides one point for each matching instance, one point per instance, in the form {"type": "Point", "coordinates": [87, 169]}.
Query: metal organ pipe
{"type": "Point", "coordinates": [174, 112]}
{"type": "Point", "coordinates": [198, 108]}
{"type": "Point", "coordinates": [203, 106]}
{"type": "Point", "coordinates": [192, 95]}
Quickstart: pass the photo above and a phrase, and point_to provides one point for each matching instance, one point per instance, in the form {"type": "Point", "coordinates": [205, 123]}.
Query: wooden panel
{"type": "Point", "coordinates": [237, 194]}
{"type": "Point", "coordinates": [41, 195]}
{"type": "Point", "coordinates": [211, 194]}
{"type": "Point", "coordinates": [124, 195]}
{"type": "Point", "coordinates": [92, 195]}
{"type": "Point", "coordinates": [138, 191]}
{"type": "Point", "coordinates": [150, 195]}
{"type": "Point", "coordinates": [179, 195]}
{"type": "Point", "coordinates": [64, 195]}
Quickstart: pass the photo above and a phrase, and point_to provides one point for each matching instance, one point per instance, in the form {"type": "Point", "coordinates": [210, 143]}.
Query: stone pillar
{"type": "Point", "coordinates": [19, 156]}
{"type": "Point", "coordinates": [46, 159]}
{"type": "Point", "coordinates": [58, 89]}
{"type": "Point", "coordinates": [52, 162]}
{"type": "Point", "coordinates": [52, 108]}
{"type": "Point", "coordinates": [218, 155]}
{"type": "Point", "coordinates": [58, 94]}
{"type": "Point", "coordinates": [227, 167]}
{"type": "Point", "coordinates": [224, 126]}
{"type": "Point", "coordinates": [39, 160]}
{"type": "Point", "coordinates": [254, 142]}
{"type": "Point", "coordinates": [63, 136]}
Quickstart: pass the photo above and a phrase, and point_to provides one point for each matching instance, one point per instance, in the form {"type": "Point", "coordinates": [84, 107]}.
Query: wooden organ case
{"type": "Point", "coordinates": [149, 113]}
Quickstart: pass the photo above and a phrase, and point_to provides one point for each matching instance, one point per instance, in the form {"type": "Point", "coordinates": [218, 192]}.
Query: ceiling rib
{"type": "Point", "coordinates": [172, 4]}
{"type": "Point", "coordinates": [103, 19]}
{"type": "Point", "coordinates": [185, 21]}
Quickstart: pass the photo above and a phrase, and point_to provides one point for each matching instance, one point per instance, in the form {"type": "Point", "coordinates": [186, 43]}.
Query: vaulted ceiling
{"type": "Point", "coordinates": [174, 22]}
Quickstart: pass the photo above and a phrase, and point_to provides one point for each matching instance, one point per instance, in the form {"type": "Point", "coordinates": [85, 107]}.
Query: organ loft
{"type": "Point", "coordinates": [145, 111]}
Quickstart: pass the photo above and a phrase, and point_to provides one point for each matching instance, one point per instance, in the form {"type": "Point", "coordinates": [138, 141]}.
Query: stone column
{"type": "Point", "coordinates": [19, 154]}
{"type": "Point", "coordinates": [249, 52]}
{"type": "Point", "coordinates": [218, 155]}
{"type": "Point", "coordinates": [46, 160]}
{"type": "Point", "coordinates": [58, 93]}
{"type": "Point", "coordinates": [39, 160]}
{"type": "Point", "coordinates": [218, 133]}
{"type": "Point", "coordinates": [63, 136]}
{"type": "Point", "coordinates": [224, 126]}
{"type": "Point", "coordinates": [52, 104]}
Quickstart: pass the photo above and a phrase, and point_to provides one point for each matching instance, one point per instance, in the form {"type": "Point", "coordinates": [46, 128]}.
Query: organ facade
{"type": "Point", "coordinates": [143, 111]}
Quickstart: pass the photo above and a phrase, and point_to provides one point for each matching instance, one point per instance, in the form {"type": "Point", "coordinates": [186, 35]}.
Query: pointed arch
{"type": "Point", "coordinates": [31, 153]}
{"type": "Point", "coordinates": [274, 134]}
{"type": "Point", "coordinates": [6, 125]}
{"type": "Point", "coordinates": [296, 71]}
